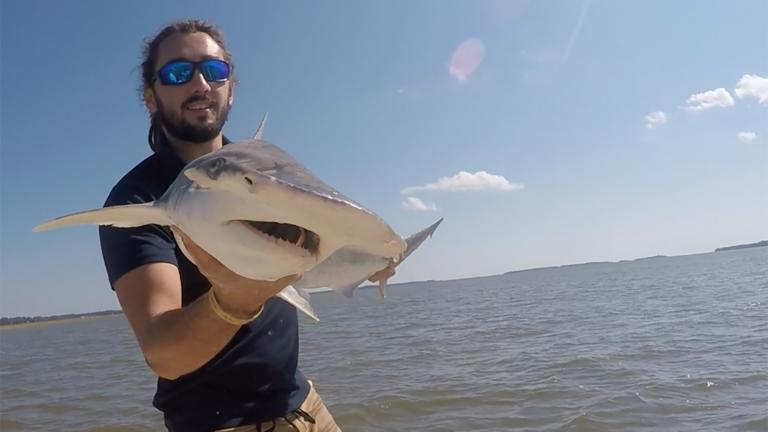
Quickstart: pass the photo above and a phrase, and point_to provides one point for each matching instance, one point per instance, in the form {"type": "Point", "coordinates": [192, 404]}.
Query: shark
{"type": "Point", "coordinates": [264, 216]}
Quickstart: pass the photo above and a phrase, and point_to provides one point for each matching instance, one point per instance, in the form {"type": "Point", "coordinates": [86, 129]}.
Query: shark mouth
{"type": "Point", "coordinates": [289, 233]}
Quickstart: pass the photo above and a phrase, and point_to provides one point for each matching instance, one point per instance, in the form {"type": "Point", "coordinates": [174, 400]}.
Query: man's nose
{"type": "Point", "coordinates": [198, 82]}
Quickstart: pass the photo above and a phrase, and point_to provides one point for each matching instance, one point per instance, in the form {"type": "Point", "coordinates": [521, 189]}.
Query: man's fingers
{"type": "Point", "coordinates": [188, 244]}
{"type": "Point", "coordinates": [201, 257]}
{"type": "Point", "coordinates": [384, 273]}
{"type": "Point", "coordinates": [287, 280]}
{"type": "Point", "coordinates": [215, 271]}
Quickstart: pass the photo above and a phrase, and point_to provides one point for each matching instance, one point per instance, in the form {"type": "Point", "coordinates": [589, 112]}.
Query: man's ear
{"type": "Point", "coordinates": [149, 100]}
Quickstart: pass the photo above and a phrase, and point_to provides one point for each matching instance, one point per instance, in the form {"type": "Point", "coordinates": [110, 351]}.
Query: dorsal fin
{"type": "Point", "coordinates": [260, 129]}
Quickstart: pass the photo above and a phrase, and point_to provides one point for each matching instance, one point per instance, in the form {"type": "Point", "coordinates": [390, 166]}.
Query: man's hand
{"type": "Point", "coordinates": [237, 295]}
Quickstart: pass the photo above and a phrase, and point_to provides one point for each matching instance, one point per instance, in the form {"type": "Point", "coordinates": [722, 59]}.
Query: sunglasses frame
{"type": "Point", "coordinates": [196, 66]}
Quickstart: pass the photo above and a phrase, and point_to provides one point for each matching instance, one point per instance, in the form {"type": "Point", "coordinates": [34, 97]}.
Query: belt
{"type": "Point", "coordinates": [289, 418]}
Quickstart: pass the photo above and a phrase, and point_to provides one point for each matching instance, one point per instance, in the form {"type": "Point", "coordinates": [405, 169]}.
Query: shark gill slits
{"type": "Point", "coordinates": [291, 233]}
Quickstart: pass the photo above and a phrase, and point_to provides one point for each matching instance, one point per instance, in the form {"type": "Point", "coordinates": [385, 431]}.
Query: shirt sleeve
{"type": "Point", "coordinates": [124, 249]}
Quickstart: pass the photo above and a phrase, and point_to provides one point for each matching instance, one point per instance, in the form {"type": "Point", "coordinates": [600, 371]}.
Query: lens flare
{"type": "Point", "coordinates": [466, 58]}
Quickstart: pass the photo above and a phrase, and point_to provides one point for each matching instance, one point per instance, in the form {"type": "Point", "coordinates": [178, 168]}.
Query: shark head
{"type": "Point", "coordinates": [274, 208]}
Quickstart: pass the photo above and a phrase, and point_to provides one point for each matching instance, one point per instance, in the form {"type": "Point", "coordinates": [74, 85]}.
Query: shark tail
{"type": "Point", "coordinates": [415, 240]}
{"type": "Point", "coordinates": [122, 216]}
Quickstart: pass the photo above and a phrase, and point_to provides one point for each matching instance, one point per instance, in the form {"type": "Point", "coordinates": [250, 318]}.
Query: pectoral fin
{"type": "Point", "coordinates": [122, 216]}
{"type": "Point", "coordinates": [299, 299]}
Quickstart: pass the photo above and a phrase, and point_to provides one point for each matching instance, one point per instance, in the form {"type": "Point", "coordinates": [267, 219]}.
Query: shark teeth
{"type": "Point", "coordinates": [287, 233]}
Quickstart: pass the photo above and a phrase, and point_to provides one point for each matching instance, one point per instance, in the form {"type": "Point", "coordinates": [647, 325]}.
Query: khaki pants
{"type": "Point", "coordinates": [312, 405]}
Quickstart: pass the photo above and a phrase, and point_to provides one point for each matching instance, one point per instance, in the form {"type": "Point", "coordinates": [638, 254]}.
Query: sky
{"type": "Point", "coordinates": [545, 133]}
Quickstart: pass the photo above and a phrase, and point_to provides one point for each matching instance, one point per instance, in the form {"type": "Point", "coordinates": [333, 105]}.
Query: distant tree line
{"type": "Point", "coordinates": [763, 243]}
{"type": "Point", "coordinates": [24, 320]}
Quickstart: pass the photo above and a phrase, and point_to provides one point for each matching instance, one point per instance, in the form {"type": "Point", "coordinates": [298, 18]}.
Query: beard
{"type": "Point", "coordinates": [181, 129]}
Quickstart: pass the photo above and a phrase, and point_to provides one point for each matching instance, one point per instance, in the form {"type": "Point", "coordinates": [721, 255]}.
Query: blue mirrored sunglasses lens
{"type": "Point", "coordinates": [215, 70]}
{"type": "Point", "coordinates": [176, 73]}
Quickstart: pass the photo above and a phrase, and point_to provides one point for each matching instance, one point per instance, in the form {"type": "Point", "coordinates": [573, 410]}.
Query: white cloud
{"type": "Point", "coordinates": [464, 181]}
{"type": "Point", "coordinates": [753, 85]}
{"type": "Point", "coordinates": [656, 118]}
{"type": "Point", "coordinates": [747, 137]}
{"type": "Point", "coordinates": [413, 203]}
{"type": "Point", "coordinates": [709, 99]}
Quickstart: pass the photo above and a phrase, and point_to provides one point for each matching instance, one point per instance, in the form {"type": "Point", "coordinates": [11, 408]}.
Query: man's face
{"type": "Point", "coordinates": [196, 110]}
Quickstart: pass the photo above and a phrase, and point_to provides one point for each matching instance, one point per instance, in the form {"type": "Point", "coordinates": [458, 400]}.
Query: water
{"type": "Point", "coordinates": [668, 344]}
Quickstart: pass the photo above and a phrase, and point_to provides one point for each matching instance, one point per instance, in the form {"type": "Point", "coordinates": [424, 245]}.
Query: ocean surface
{"type": "Point", "coordinates": [662, 344]}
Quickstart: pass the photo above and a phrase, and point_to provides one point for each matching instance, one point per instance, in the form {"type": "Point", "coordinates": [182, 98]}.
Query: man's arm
{"type": "Point", "coordinates": [178, 340]}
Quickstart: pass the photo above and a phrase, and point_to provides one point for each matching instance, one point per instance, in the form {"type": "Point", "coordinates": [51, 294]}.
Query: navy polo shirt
{"type": "Point", "coordinates": [255, 377]}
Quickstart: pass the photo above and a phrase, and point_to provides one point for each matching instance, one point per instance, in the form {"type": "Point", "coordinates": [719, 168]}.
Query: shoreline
{"type": "Point", "coordinates": [39, 321]}
{"type": "Point", "coordinates": [52, 320]}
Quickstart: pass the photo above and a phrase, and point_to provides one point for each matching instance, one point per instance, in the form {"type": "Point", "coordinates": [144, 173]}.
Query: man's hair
{"type": "Point", "coordinates": [151, 48]}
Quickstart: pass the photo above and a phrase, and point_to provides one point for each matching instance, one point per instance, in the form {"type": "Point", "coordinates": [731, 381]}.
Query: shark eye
{"type": "Point", "coordinates": [215, 167]}
{"type": "Point", "coordinates": [248, 179]}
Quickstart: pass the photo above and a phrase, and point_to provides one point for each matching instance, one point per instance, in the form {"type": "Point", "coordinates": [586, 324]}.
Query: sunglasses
{"type": "Point", "coordinates": [179, 72]}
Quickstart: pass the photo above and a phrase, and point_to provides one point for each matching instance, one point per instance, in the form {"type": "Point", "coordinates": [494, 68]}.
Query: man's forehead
{"type": "Point", "coordinates": [192, 46]}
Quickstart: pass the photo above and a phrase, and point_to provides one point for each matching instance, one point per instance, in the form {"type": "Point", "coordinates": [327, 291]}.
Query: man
{"type": "Point", "coordinates": [224, 349]}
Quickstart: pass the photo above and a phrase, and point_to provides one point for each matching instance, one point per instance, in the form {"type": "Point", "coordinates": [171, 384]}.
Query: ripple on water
{"type": "Point", "coordinates": [669, 344]}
